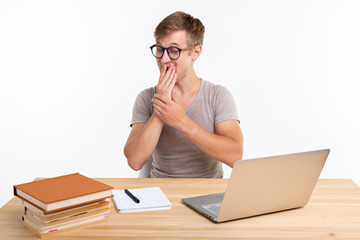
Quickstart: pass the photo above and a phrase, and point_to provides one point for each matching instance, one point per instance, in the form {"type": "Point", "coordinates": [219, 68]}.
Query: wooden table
{"type": "Point", "coordinates": [333, 212]}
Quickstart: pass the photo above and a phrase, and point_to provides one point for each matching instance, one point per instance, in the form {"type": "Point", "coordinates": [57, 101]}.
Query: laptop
{"type": "Point", "coordinates": [263, 185]}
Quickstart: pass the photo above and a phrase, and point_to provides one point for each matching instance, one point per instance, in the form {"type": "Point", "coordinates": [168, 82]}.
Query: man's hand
{"type": "Point", "coordinates": [167, 81]}
{"type": "Point", "coordinates": [225, 145]}
{"type": "Point", "coordinates": [170, 111]}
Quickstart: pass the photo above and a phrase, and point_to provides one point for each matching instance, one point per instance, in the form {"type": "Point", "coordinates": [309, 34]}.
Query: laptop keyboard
{"type": "Point", "coordinates": [213, 207]}
{"type": "Point", "coordinates": [220, 196]}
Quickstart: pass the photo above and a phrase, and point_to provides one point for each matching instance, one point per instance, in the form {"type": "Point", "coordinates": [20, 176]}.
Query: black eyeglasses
{"type": "Point", "coordinates": [173, 52]}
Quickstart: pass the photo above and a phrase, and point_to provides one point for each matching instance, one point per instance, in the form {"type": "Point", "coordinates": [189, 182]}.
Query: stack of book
{"type": "Point", "coordinates": [63, 203]}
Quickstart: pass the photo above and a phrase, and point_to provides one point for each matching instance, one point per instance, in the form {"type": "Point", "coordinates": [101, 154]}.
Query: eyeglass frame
{"type": "Point", "coordinates": [167, 51]}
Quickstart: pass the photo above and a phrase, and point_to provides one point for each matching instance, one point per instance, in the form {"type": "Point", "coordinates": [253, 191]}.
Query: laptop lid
{"type": "Point", "coordinates": [265, 185]}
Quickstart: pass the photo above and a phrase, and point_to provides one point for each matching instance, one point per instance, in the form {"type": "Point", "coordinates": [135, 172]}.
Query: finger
{"type": "Point", "coordinates": [158, 104]}
{"type": "Point", "coordinates": [162, 74]}
{"type": "Point", "coordinates": [173, 81]}
{"type": "Point", "coordinates": [161, 98]}
{"type": "Point", "coordinates": [163, 70]}
{"type": "Point", "coordinates": [174, 95]}
{"type": "Point", "coordinates": [169, 71]}
{"type": "Point", "coordinates": [159, 111]}
{"type": "Point", "coordinates": [170, 83]}
{"type": "Point", "coordinates": [160, 115]}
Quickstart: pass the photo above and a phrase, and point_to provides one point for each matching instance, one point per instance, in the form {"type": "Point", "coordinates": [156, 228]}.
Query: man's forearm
{"type": "Point", "coordinates": [141, 145]}
{"type": "Point", "coordinates": [225, 146]}
{"type": "Point", "coordinates": [225, 149]}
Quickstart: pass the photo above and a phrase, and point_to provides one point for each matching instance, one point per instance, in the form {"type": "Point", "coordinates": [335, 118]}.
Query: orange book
{"type": "Point", "coordinates": [63, 221]}
{"type": "Point", "coordinates": [82, 223]}
{"type": "Point", "coordinates": [31, 209]}
{"type": "Point", "coordinates": [58, 193]}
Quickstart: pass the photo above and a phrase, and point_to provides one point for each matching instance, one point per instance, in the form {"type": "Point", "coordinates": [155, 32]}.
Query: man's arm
{"type": "Point", "coordinates": [226, 145]}
{"type": "Point", "coordinates": [142, 141]}
{"type": "Point", "coordinates": [143, 138]}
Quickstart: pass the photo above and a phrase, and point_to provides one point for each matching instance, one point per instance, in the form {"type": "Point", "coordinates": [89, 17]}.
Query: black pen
{"type": "Point", "coordinates": [132, 196]}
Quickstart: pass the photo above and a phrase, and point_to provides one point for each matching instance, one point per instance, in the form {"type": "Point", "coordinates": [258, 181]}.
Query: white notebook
{"type": "Point", "coordinates": [150, 199]}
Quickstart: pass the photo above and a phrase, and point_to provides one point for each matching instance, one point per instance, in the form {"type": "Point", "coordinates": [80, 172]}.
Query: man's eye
{"type": "Point", "coordinates": [173, 50]}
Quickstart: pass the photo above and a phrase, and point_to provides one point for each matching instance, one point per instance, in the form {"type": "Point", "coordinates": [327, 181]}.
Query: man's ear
{"type": "Point", "coordinates": [196, 52]}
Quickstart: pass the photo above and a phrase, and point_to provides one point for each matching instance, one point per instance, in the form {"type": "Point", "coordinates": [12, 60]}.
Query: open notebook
{"type": "Point", "coordinates": [151, 198]}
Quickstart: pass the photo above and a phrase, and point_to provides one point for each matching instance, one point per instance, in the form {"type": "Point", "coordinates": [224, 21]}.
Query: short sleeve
{"type": "Point", "coordinates": [142, 109]}
{"type": "Point", "coordinates": [225, 106]}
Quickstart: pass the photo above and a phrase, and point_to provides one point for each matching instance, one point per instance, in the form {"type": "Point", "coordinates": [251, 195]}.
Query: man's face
{"type": "Point", "coordinates": [184, 62]}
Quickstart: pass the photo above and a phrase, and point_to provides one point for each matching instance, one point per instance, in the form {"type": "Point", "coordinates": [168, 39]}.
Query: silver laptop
{"type": "Point", "coordinates": [263, 185]}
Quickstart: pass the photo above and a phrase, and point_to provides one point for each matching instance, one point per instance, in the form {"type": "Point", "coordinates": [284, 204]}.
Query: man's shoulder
{"type": "Point", "coordinates": [147, 93]}
{"type": "Point", "coordinates": [214, 88]}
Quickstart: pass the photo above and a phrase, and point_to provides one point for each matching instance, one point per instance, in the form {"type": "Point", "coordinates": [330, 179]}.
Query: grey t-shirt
{"type": "Point", "coordinates": [175, 155]}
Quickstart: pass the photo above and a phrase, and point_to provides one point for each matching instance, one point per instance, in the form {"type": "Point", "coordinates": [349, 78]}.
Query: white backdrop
{"type": "Point", "coordinates": [70, 71]}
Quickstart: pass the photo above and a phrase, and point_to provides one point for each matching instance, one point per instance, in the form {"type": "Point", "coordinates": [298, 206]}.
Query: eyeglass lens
{"type": "Point", "coordinates": [173, 52]}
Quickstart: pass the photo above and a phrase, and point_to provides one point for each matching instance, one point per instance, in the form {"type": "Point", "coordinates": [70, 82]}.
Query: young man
{"type": "Point", "coordinates": [188, 125]}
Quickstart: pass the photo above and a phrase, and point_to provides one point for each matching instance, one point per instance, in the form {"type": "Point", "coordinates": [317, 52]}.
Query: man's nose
{"type": "Point", "coordinates": [165, 58]}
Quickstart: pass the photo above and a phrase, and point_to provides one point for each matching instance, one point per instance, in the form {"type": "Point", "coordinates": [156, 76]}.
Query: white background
{"type": "Point", "coordinates": [70, 71]}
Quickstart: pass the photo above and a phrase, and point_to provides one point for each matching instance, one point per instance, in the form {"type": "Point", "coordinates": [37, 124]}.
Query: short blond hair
{"type": "Point", "coordinates": [181, 21]}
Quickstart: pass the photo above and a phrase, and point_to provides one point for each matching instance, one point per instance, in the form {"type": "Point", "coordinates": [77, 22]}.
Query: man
{"type": "Point", "coordinates": [188, 125]}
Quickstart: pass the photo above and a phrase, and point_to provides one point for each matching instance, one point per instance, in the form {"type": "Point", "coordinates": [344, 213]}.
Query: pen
{"type": "Point", "coordinates": [135, 199]}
